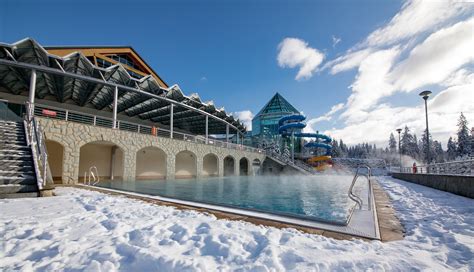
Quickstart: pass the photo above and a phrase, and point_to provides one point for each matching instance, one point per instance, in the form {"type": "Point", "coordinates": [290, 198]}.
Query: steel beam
{"type": "Point", "coordinates": [50, 70]}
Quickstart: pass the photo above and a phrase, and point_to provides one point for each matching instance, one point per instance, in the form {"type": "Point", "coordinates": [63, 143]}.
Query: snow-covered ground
{"type": "Point", "coordinates": [85, 230]}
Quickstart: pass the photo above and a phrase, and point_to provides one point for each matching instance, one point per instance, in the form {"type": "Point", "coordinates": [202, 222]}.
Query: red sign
{"type": "Point", "coordinates": [49, 113]}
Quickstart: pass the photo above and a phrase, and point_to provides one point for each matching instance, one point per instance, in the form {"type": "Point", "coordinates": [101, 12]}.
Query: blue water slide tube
{"type": "Point", "coordinates": [291, 123]}
{"type": "Point", "coordinates": [293, 118]}
{"type": "Point", "coordinates": [285, 129]}
{"type": "Point", "coordinates": [322, 145]}
{"type": "Point", "coordinates": [326, 139]}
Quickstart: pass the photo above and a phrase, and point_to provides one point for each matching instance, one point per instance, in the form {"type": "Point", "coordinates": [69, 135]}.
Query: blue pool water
{"type": "Point", "coordinates": [319, 198]}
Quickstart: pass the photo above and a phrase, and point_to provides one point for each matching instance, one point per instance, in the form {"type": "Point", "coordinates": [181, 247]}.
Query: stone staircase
{"type": "Point", "coordinates": [17, 174]}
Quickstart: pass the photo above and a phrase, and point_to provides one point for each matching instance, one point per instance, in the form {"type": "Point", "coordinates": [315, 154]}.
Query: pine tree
{"type": "Point", "coordinates": [336, 150]}
{"type": "Point", "coordinates": [452, 149]}
{"type": "Point", "coordinates": [424, 147]}
{"type": "Point", "coordinates": [409, 144]}
{"type": "Point", "coordinates": [438, 152]}
{"type": "Point", "coordinates": [464, 146]}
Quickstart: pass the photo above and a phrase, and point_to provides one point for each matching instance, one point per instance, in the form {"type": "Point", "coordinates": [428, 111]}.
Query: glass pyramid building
{"type": "Point", "coordinates": [265, 123]}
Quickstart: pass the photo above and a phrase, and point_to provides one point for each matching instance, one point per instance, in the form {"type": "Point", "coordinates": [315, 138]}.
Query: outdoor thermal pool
{"type": "Point", "coordinates": [317, 198]}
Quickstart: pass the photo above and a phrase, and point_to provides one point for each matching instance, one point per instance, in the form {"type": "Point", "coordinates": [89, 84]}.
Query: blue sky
{"type": "Point", "coordinates": [228, 51]}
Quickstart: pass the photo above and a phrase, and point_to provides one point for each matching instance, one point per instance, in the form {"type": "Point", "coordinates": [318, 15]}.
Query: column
{"type": "Point", "coordinates": [220, 166]}
{"type": "Point", "coordinates": [114, 126]}
{"type": "Point", "coordinates": [112, 162]}
{"type": "Point", "coordinates": [170, 166]}
{"type": "Point", "coordinates": [199, 166]}
{"type": "Point", "coordinates": [171, 121]}
{"type": "Point", "coordinates": [31, 95]}
{"type": "Point", "coordinates": [207, 129]}
{"type": "Point", "coordinates": [70, 164]}
{"type": "Point", "coordinates": [237, 167]}
{"type": "Point", "coordinates": [227, 133]}
{"type": "Point", "coordinates": [129, 164]}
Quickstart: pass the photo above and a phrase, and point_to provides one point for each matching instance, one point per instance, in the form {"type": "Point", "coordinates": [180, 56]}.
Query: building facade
{"type": "Point", "coordinates": [105, 107]}
{"type": "Point", "coordinates": [265, 123]}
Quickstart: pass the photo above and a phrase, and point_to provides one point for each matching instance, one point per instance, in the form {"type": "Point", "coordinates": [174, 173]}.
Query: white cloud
{"type": "Point", "coordinates": [460, 77]}
{"type": "Point", "coordinates": [444, 110]}
{"type": "Point", "coordinates": [294, 52]}
{"type": "Point", "coordinates": [348, 61]}
{"type": "Point", "coordinates": [326, 117]}
{"type": "Point", "coordinates": [416, 17]}
{"type": "Point", "coordinates": [335, 41]}
{"type": "Point", "coordinates": [203, 78]}
{"type": "Point", "coordinates": [371, 82]}
{"type": "Point", "coordinates": [433, 60]}
{"type": "Point", "coordinates": [245, 117]}
{"type": "Point", "coordinates": [427, 43]}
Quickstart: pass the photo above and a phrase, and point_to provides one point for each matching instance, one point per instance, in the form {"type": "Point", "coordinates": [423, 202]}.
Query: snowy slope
{"type": "Point", "coordinates": [91, 231]}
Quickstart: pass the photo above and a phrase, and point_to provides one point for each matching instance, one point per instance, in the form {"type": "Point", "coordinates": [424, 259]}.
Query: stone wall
{"type": "Point", "coordinates": [72, 136]}
{"type": "Point", "coordinates": [459, 185]}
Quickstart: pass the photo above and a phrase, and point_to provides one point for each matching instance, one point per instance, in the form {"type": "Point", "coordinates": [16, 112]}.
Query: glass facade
{"type": "Point", "coordinates": [265, 123]}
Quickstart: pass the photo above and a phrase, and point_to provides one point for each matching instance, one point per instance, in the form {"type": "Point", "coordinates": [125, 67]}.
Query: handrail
{"type": "Point", "coordinates": [35, 140]}
{"type": "Point", "coordinates": [96, 120]}
{"type": "Point", "coordinates": [88, 175]}
{"type": "Point", "coordinates": [355, 197]}
{"type": "Point", "coordinates": [460, 167]}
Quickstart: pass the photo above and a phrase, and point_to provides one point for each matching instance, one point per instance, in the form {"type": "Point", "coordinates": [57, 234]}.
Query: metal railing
{"type": "Point", "coordinates": [91, 174]}
{"type": "Point", "coordinates": [94, 120]}
{"type": "Point", "coordinates": [357, 199]}
{"type": "Point", "coordinates": [460, 168]}
{"type": "Point", "coordinates": [35, 140]}
{"type": "Point", "coordinates": [287, 160]}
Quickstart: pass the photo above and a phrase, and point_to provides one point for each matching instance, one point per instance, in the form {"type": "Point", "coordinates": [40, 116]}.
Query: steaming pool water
{"type": "Point", "coordinates": [317, 198]}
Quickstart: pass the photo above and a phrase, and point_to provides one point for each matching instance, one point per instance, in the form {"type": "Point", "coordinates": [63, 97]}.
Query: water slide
{"type": "Point", "coordinates": [291, 124]}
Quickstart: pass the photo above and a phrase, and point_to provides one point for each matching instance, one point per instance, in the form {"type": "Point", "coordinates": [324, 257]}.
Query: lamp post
{"type": "Point", "coordinates": [399, 130]}
{"type": "Point", "coordinates": [425, 95]}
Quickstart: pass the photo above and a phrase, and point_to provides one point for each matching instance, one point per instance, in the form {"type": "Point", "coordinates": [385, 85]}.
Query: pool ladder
{"type": "Point", "coordinates": [355, 197]}
{"type": "Point", "coordinates": [91, 174]}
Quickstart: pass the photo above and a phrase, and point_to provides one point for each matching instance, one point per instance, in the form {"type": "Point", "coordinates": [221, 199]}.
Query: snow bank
{"type": "Point", "coordinates": [90, 231]}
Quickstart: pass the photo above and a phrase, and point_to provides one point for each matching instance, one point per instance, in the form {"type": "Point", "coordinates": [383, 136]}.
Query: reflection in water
{"type": "Point", "coordinates": [321, 197]}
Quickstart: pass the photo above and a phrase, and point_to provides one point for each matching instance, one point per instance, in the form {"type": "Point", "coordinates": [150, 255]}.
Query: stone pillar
{"type": "Point", "coordinates": [220, 166]}
{"type": "Point", "coordinates": [71, 164]}
{"type": "Point", "coordinates": [237, 167]}
{"type": "Point", "coordinates": [199, 166]}
{"type": "Point", "coordinates": [129, 165]}
{"type": "Point", "coordinates": [250, 167]}
{"type": "Point", "coordinates": [170, 166]}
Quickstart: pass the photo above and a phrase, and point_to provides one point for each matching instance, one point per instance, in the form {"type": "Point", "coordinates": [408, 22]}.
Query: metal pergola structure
{"type": "Point", "coordinates": [26, 65]}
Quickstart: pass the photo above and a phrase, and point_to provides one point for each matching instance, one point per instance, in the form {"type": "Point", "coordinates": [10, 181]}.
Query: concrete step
{"type": "Point", "coordinates": [15, 157]}
{"type": "Point", "coordinates": [13, 139]}
{"type": "Point", "coordinates": [12, 130]}
{"type": "Point", "coordinates": [9, 146]}
{"type": "Point", "coordinates": [18, 188]}
{"type": "Point", "coordinates": [20, 195]}
{"type": "Point", "coordinates": [16, 173]}
{"type": "Point", "coordinates": [11, 124]}
{"type": "Point", "coordinates": [12, 136]}
{"type": "Point", "coordinates": [12, 142]}
{"type": "Point", "coordinates": [7, 163]}
{"type": "Point", "coordinates": [15, 152]}
{"type": "Point", "coordinates": [18, 167]}
{"type": "Point", "coordinates": [30, 180]}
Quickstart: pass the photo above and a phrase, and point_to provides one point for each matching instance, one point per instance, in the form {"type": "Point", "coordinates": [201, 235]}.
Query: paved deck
{"type": "Point", "coordinates": [390, 227]}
